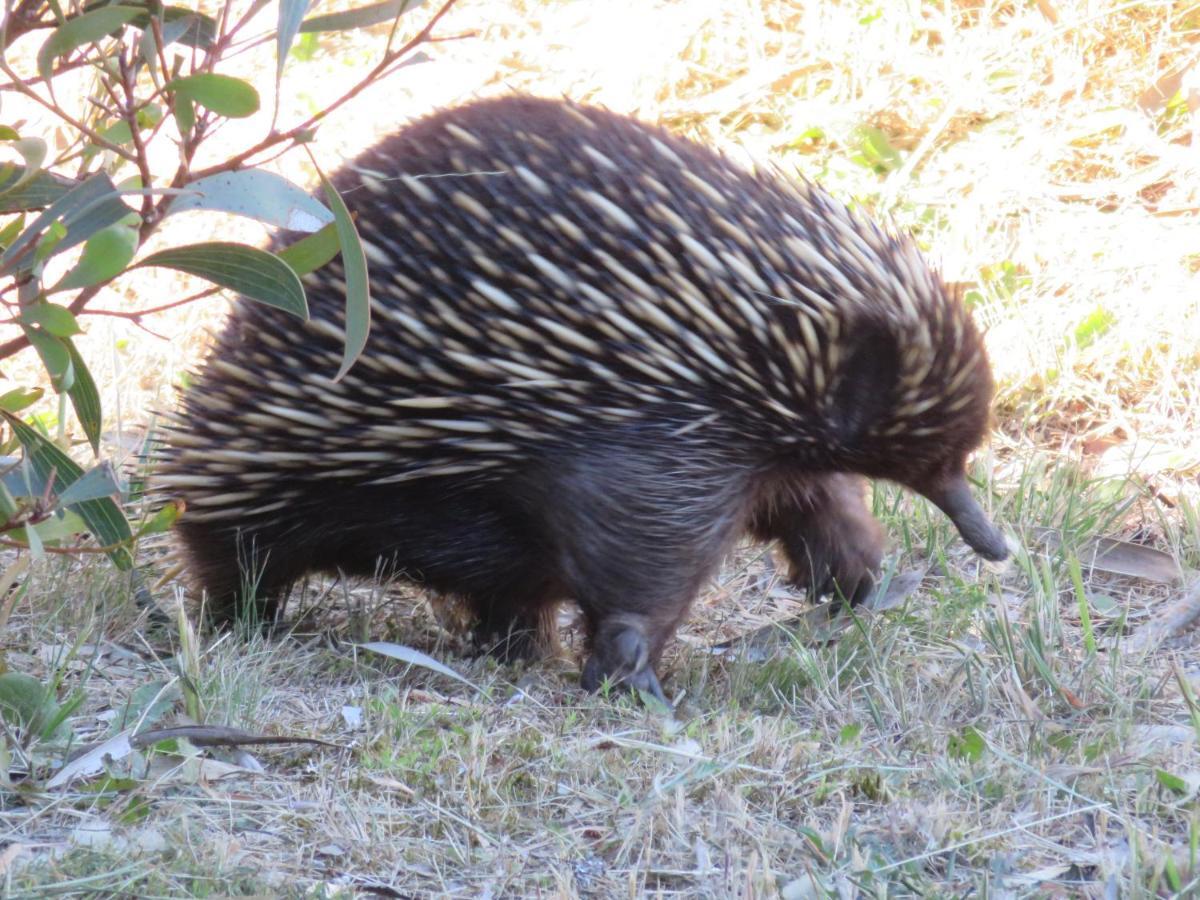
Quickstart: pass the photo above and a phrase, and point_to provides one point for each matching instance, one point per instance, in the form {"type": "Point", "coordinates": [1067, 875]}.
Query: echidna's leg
{"type": "Point", "coordinates": [637, 534]}
{"type": "Point", "coordinates": [479, 544]}
{"type": "Point", "coordinates": [516, 621]}
{"type": "Point", "coordinates": [241, 571]}
{"type": "Point", "coordinates": [832, 542]}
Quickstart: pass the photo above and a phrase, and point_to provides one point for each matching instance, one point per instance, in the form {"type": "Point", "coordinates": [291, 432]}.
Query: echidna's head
{"type": "Point", "coordinates": [912, 395]}
{"type": "Point", "coordinates": [886, 353]}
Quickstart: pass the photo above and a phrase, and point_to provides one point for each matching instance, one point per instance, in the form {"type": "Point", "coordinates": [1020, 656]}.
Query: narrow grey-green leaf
{"type": "Point", "coordinates": [223, 94]}
{"type": "Point", "coordinates": [84, 209]}
{"type": "Point", "coordinates": [105, 256]}
{"type": "Point", "coordinates": [414, 658]}
{"type": "Point", "coordinates": [363, 17]}
{"type": "Point", "coordinates": [312, 252]}
{"type": "Point", "coordinates": [99, 481]}
{"type": "Point", "coordinates": [291, 12]}
{"type": "Point", "coordinates": [84, 29]}
{"type": "Point", "coordinates": [85, 397]}
{"type": "Point", "coordinates": [188, 27]}
{"type": "Point", "coordinates": [255, 194]}
{"type": "Point", "coordinates": [20, 195]}
{"type": "Point", "coordinates": [254, 273]}
{"type": "Point", "coordinates": [103, 517]}
{"type": "Point", "coordinates": [358, 287]}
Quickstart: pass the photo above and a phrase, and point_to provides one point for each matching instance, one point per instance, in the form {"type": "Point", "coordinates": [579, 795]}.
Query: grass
{"type": "Point", "coordinates": [1028, 732]}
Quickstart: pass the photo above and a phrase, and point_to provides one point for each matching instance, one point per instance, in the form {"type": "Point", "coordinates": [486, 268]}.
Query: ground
{"type": "Point", "coordinates": [1031, 731]}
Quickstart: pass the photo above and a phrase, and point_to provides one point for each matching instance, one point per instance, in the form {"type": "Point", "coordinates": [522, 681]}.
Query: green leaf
{"type": "Point", "coordinates": [312, 252]}
{"type": "Point", "coordinates": [105, 256]}
{"type": "Point", "coordinates": [33, 151]}
{"type": "Point", "coordinates": [254, 273]}
{"type": "Point", "coordinates": [849, 734]}
{"type": "Point", "coordinates": [876, 152]}
{"type": "Point", "coordinates": [9, 506]}
{"type": "Point", "coordinates": [58, 320]}
{"type": "Point", "coordinates": [55, 357]}
{"type": "Point", "coordinates": [162, 521]}
{"type": "Point", "coordinates": [1171, 782]}
{"type": "Point", "coordinates": [968, 745]}
{"type": "Point", "coordinates": [48, 243]}
{"type": "Point", "coordinates": [358, 288]}
{"type": "Point", "coordinates": [255, 194]}
{"type": "Point", "coordinates": [61, 527]}
{"type": "Point", "coordinates": [363, 17]}
{"type": "Point", "coordinates": [18, 398]}
{"type": "Point", "coordinates": [8, 133]}
{"type": "Point", "coordinates": [1093, 326]}
{"type": "Point", "coordinates": [290, 14]}
{"type": "Point", "coordinates": [11, 230]}
{"type": "Point", "coordinates": [223, 94]}
{"type": "Point", "coordinates": [103, 517]}
{"type": "Point", "coordinates": [85, 29]}
{"type": "Point", "coordinates": [85, 398]}
{"type": "Point", "coordinates": [117, 133]}
{"type": "Point", "coordinates": [26, 703]}
{"type": "Point", "coordinates": [184, 112]}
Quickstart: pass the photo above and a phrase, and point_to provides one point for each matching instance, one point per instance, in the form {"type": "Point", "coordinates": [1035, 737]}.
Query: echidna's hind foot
{"type": "Point", "coordinates": [622, 654]}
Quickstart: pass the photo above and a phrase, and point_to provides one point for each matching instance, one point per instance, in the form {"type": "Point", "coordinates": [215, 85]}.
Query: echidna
{"type": "Point", "coordinates": [600, 354]}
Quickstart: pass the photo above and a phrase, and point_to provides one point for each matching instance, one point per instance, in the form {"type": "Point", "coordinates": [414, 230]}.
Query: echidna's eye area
{"type": "Point", "coordinates": [862, 396]}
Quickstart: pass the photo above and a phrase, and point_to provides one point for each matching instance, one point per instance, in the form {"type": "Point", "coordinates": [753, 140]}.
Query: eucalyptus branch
{"type": "Point", "coordinates": [33, 95]}
{"type": "Point", "coordinates": [381, 68]}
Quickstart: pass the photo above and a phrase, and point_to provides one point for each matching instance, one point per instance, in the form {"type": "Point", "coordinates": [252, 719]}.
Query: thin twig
{"type": "Point", "coordinates": [137, 314]}
{"type": "Point", "coordinates": [379, 70]}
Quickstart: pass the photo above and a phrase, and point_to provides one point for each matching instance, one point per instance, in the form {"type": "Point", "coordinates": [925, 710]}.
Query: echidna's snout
{"type": "Point", "coordinates": [952, 495]}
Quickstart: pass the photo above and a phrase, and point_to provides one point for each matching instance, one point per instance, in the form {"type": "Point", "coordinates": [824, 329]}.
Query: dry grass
{"type": "Point", "coordinates": [1030, 733]}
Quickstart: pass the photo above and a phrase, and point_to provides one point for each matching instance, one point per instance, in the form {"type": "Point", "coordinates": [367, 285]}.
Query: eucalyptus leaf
{"type": "Point", "coordinates": [33, 151]}
{"type": "Point", "coordinates": [105, 255]}
{"type": "Point", "coordinates": [85, 29]}
{"type": "Point", "coordinates": [84, 209]}
{"type": "Point", "coordinates": [363, 17]}
{"type": "Point", "coordinates": [18, 194]}
{"type": "Point", "coordinates": [358, 288]}
{"type": "Point", "coordinates": [58, 320]}
{"type": "Point", "coordinates": [310, 253]}
{"type": "Point", "coordinates": [254, 273]}
{"type": "Point", "coordinates": [223, 94]}
{"type": "Point", "coordinates": [97, 482]}
{"type": "Point", "coordinates": [255, 194]}
{"type": "Point", "coordinates": [54, 355]}
{"type": "Point", "coordinates": [103, 517]}
{"type": "Point", "coordinates": [85, 397]}
{"type": "Point", "coordinates": [291, 12]}
{"type": "Point", "coordinates": [414, 658]}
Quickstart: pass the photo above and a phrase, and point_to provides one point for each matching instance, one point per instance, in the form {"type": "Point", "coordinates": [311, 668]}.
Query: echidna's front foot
{"type": "Point", "coordinates": [621, 654]}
